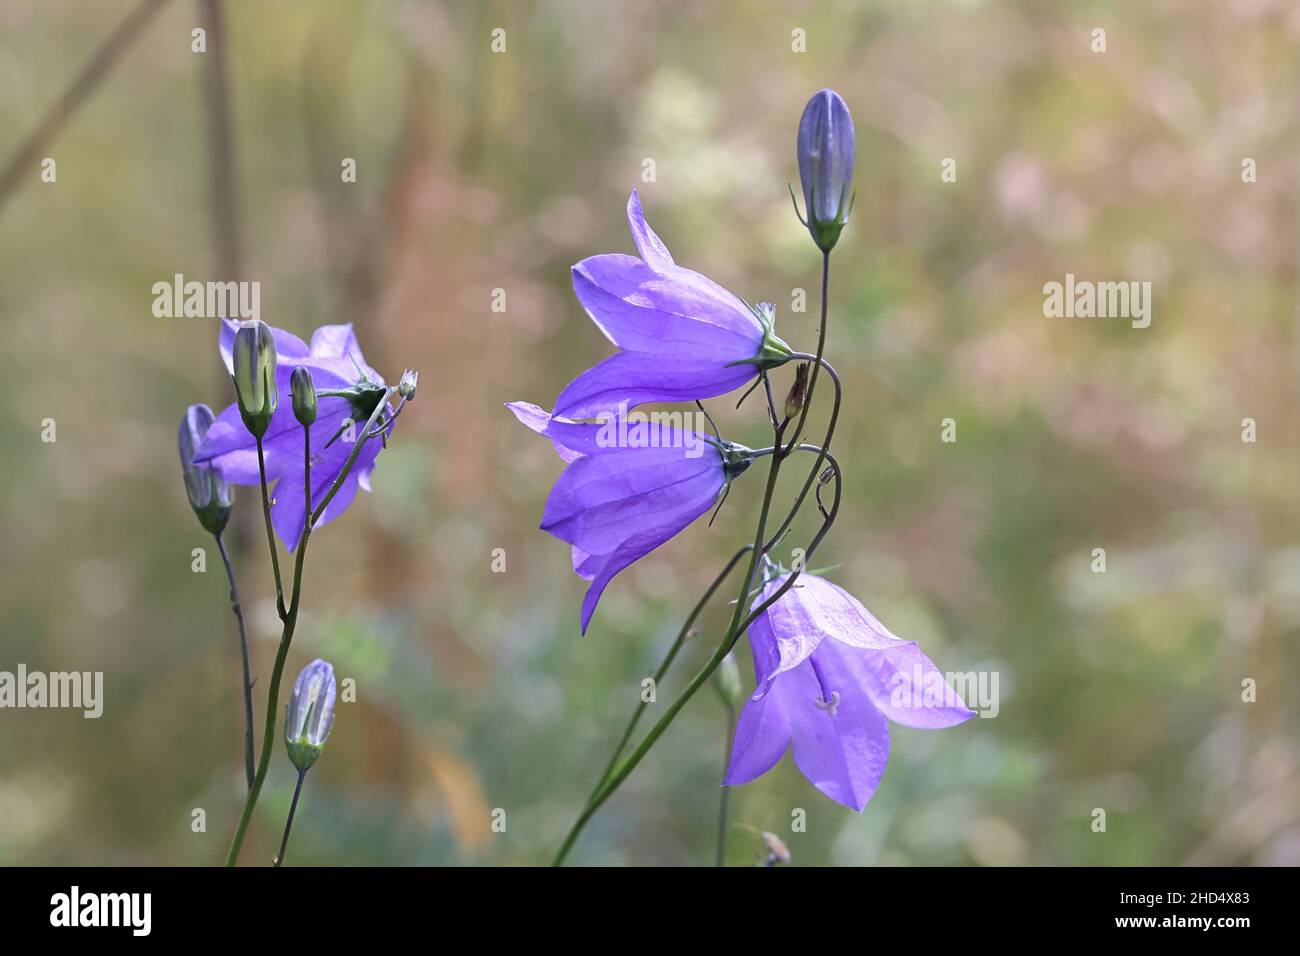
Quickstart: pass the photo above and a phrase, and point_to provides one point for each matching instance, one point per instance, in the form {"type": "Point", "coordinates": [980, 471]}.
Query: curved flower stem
{"type": "Point", "coordinates": [821, 350]}
{"type": "Point", "coordinates": [286, 636]}
{"type": "Point", "coordinates": [667, 663]}
{"type": "Point", "coordinates": [823, 449]}
{"type": "Point", "coordinates": [622, 770]}
{"type": "Point", "coordinates": [740, 621]}
{"type": "Point", "coordinates": [726, 791]}
{"type": "Point", "coordinates": [288, 823]}
{"type": "Point", "coordinates": [270, 530]}
{"type": "Point", "coordinates": [243, 650]}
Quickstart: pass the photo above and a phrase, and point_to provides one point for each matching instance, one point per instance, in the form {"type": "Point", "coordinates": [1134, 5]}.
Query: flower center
{"type": "Point", "coordinates": [829, 701]}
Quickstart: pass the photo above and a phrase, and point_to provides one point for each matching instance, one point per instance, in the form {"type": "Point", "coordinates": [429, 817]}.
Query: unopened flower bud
{"type": "Point", "coordinates": [797, 397]}
{"type": "Point", "coordinates": [406, 387]}
{"type": "Point", "coordinates": [210, 496]}
{"type": "Point", "coordinates": [304, 396]}
{"type": "Point", "coordinates": [310, 714]}
{"type": "Point", "coordinates": [726, 681]}
{"type": "Point", "coordinates": [825, 150]}
{"type": "Point", "coordinates": [254, 361]}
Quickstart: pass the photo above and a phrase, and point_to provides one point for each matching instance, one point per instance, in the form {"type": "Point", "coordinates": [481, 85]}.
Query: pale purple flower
{"type": "Point", "coordinates": [309, 715]}
{"type": "Point", "coordinates": [830, 678]}
{"type": "Point", "coordinates": [683, 337]}
{"type": "Point", "coordinates": [825, 150]}
{"type": "Point", "coordinates": [336, 363]}
{"type": "Point", "coordinates": [616, 503]}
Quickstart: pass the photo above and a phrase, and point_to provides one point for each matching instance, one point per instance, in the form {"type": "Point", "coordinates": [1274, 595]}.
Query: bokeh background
{"type": "Point", "coordinates": [480, 171]}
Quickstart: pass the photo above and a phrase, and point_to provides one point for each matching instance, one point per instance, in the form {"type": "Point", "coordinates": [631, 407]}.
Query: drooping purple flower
{"type": "Point", "coordinates": [628, 488]}
{"type": "Point", "coordinates": [682, 336]}
{"type": "Point", "coordinates": [336, 365]}
{"type": "Point", "coordinates": [830, 678]}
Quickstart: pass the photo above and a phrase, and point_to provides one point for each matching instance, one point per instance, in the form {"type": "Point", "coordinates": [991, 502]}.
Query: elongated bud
{"type": "Point", "coordinates": [726, 681]}
{"type": "Point", "coordinates": [825, 149]}
{"type": "Point", "coordinates": [797, 397]}
{"type": "Point", "coordinates": [304, 396]}
{"type": "Point", "coordinates": [209, 495]}
{"type": "Point", "coordinates": [255, 361]}
{"type": "Point", "coordinates": [310, 714]}
{"type": "Point", "coordinates": [406, 387]}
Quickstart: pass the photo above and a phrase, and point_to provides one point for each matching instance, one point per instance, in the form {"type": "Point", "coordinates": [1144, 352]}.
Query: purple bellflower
{"type": "Point", "coordinates": [683, 337]}
{"type": "Point", "coordinates": [830, 678]}
{"type": "Point", "coordinates": [347, 392]}
{"type": "Point", "coordinates": [628, 488]}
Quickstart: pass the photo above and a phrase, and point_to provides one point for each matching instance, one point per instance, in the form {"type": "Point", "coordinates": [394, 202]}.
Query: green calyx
{"type": "Point", "coordinates": [736, 459]}
{"type": "Point", "coordinates": [363, 397]}
{"type": "Point", "coordinates": [773, 352]}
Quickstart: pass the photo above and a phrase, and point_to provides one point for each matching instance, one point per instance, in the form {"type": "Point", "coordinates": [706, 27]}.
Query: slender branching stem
{"type": "Point", "coordinates": [740, 621]}
{"type": "Point", "coordinates": [288, 823]}
{"type": "Point", "coordinates": [286, 635]}
{"type": "Point", "coordinates": [270, 529]}
{"type": "Point", "coordinates": [667, 662]}
{"type": "Point", "coordinates": [243, 651]}
{"type": "Point", "coordinates": [725, 798]}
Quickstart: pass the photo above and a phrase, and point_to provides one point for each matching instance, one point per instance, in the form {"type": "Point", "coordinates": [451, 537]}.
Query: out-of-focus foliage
{"type": "Point", "coordinates": [480, 171]}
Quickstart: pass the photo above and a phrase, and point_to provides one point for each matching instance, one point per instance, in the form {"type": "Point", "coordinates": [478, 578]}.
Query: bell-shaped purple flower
{"type": "Point", "coordinates": [683, 337]}
{"type": "Point", "coordinates": [830, 678]}
{"type": "Point", "coordinates": [628, 488]}
{"type": "Point", "coordinates": [347, 391]}
{"type": "Point", "coordinates": [825, 149]}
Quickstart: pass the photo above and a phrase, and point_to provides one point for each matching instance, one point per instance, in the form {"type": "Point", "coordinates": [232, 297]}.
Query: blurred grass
{"type": "Point", "coordinates": [480, 171]}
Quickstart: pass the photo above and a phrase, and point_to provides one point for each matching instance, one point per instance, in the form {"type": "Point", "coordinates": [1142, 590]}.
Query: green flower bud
{"type": "Point", "coordinates": [304, 396]}
{"type": "Point", "coordinates": [254, 376]}
{"type": "Point", "coordinates": [797, 397]}
{"type": "Point", "coordinates": [406, 387]}
{"type": "Point", "coordinates": [209, 495]}
{"type": "Point", "coordinates": [726, 681]}
{"type": "Point", "coordinates": [309, 716]}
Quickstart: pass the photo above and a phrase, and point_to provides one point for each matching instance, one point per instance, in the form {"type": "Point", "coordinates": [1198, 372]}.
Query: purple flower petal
{"type": "Point", "coordinates": [649, 245]}
{"type": "Point", "coordinates": [811, 611]}
{"type": "Point", "coordinates": [842, 750]}
{"type": "Point", "coordinates": [228, 433]}
{"type": "Point", "coordinates": [615, 502]}
{"type": "Point", "coordinates": [762, 736]}
{"type": "Point", "coordinates": [906, 687]}
{"type": "Point", "coordinates": [602, 500]}
{"type": "Point", "coordinates": [628, 379]}
{"type": "Point", "coordinates": [642, 310]}
{"type": "Point", "coordinates": [288, 512]}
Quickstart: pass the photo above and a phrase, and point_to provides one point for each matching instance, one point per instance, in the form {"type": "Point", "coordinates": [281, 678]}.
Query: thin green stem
{"type": "Point", "coordinates": [243, 651]}
{"type": "Point", "coordinates": [288, 823]}
{"type": "Point", "coordinates": [740, 621]}
{"type": "Point", "coordinates": [725, 798]}
{"type": "Point", "coordinates": [286, 636]}
{"type": "Point", "coordinates": [270, 529]}
{"type": "Point", "coordinates": [621, 773]}
{"type": "Point", "coordinates": [667, 663]}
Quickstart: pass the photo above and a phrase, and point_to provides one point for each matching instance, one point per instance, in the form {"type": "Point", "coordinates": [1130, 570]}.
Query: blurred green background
{"type": "Point", "coordinates": [480, 171]}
